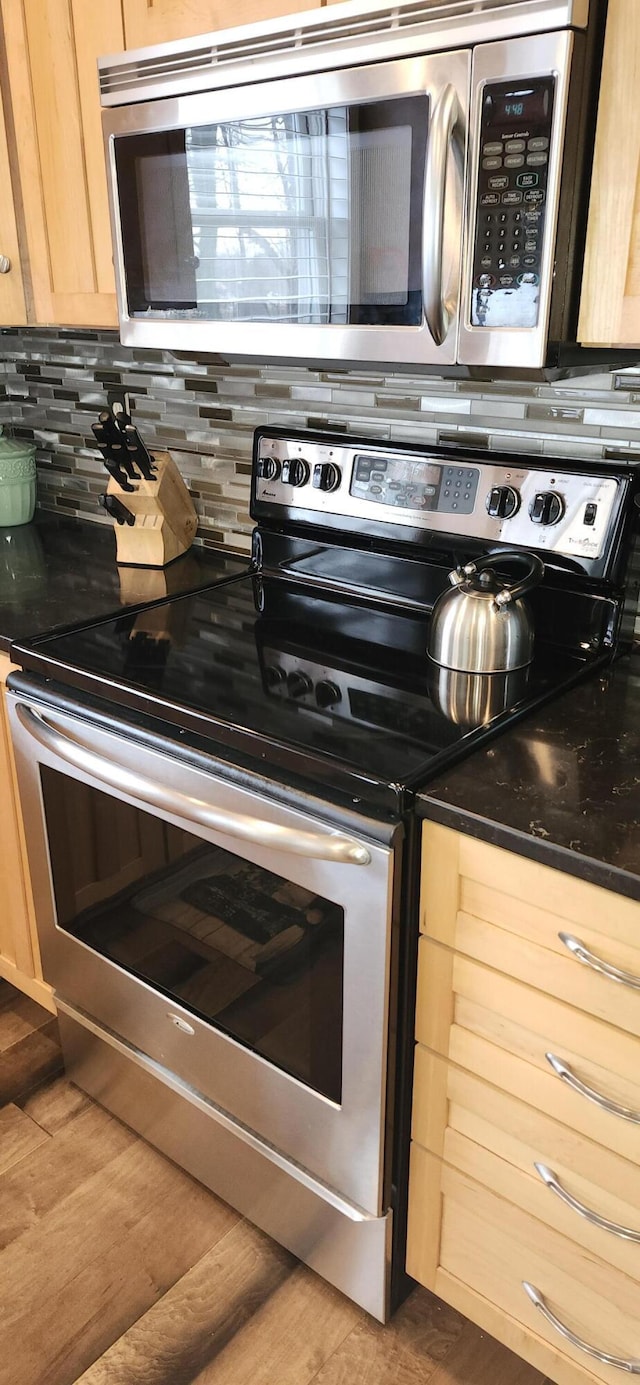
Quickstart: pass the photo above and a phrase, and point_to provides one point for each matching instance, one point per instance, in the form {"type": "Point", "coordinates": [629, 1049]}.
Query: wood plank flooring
{"type": "Point", "coordinates": [116, 1268]}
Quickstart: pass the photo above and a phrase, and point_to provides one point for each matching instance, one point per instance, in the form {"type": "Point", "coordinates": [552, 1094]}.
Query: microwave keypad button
{"type": "Point", "coordinates": [535, 195]}
{"type": "Point", "coordinates": [486, 281]}
{"type": "Point", "coordinates": [375, 490]}
{"type": "Point", "coordinates": [530, 246]}
{"type": "Point", "coordinates": [538, 142]}
{"type": "Point", "coordinates": [500, 181]}
{"type": "Point", "coordinates": [516, 160]}
{"type": "Point", "coordinates": [527, 180]}
{"type": "Point", "coordinates": [514, 262]}
{"type": "Point", "coordinates": [505, 281]}
{"type": "Point", "coordinates": [511, 199]}
{"type": "Point", "coordinates": [536, 160]}
{"type": "Point", "coordinates": [486, 262]}
{"type": "Point", "coordinates": [493, 162]}
{"type": "Point", "coordinates": [489, 199]}
{"type": "Point", "coordinates": [530, 260]}
{"type": "Point", "coordinates": [493, 147]}
{"type": "Point", "coordinates": [514, 146]}
{"type": "Point", "coordinates": [528, 278]}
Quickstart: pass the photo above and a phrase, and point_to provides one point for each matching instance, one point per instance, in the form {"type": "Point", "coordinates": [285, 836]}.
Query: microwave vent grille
{"type": "Point", "coordinates": [221, 59]}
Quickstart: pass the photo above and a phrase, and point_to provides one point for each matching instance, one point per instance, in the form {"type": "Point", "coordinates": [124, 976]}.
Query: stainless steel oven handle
{"type": "Point", "coordinates": [446, 130]}
{"type": "Point", "coordinates": [335, 847]}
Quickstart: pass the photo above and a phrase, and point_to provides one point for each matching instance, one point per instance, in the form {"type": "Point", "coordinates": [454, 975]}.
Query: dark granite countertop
{"type": "Point", "coordinates": [563, 786]}
{"type": "Point", "coordinates": [60, 571]}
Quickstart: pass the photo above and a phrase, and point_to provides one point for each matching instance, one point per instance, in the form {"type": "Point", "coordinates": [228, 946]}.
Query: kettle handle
{"type": "Point", "coordinates": [511, 590]}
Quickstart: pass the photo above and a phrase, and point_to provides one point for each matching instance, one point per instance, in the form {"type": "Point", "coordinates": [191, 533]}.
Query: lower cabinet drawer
{"type": "Point", "coordinates": [477, 1250]}
{"type": "Point", "coordinates": [590, 1194]}
{"type": "Point", "coordinates": [581, 1071]}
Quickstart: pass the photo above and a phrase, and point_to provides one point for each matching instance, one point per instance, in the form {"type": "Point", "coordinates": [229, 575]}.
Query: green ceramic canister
{"type": "Point", "coordinates": [17, 482]}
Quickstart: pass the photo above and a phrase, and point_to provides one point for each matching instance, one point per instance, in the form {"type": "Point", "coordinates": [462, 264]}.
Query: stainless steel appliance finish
{"type": "Point", "coordinates": [482, 624]}
{"type": "Point", "coordinates": [338, 1141]}
{"type": "Point", "coordinates": [565, 512]}
{"type": "Point", "coordinates": [431, 201]}
{"type": "Point", "coordinates": [344, 1244]}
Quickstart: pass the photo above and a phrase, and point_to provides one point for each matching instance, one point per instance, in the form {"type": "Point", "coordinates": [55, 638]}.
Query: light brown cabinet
{"type": "Point", "coordinates": [610, 301]}
{"type": "Point", "coordinates": [19, 953]}
{"type": "Point", "coordinates": [12, 304]}
{"type": "Point", "coordinates": [51, 50]}
{"type": "Point", "coordinates": [525, 1161]}
{"type": "Point", "coordinates": [159, 21]}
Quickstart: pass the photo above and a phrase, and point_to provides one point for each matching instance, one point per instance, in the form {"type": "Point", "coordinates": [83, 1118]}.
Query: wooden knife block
{"type": "Point", "coordinates": [165, 518]}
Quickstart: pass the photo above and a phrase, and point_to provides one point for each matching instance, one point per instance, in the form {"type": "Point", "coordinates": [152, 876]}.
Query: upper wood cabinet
{"type": "Point", "coordinates": [12, 304]}
{"type": "Point", "coordinates": [52, 48]}
{"type": "Point", "coordinates": [158, 21]}
{"type": "Point", "coordinates": [610, 303]}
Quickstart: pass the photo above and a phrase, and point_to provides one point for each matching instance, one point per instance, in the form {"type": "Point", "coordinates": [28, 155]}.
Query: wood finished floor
{"type": "Point", "coordinates": [116, 1268]}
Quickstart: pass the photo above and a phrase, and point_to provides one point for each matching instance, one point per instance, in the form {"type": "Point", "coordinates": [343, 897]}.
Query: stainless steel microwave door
{"type": "Point", "coordinates": [339, 221]}
{"type": "Point", "coordinates": [306, 217]}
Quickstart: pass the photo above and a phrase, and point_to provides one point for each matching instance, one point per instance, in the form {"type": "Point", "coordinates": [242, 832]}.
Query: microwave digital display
{"type": "Point", "coordinates": [524, 106]}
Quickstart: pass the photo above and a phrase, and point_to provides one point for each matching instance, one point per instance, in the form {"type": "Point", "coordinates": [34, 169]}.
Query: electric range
{"type": "Point", "coordinates": [218, 794]}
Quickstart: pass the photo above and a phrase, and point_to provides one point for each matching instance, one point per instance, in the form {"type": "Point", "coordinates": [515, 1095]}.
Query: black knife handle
{"type": "Point", "coordinates": [118, 474]}
{"type": "Point", "coordinates": [138, 452]}
{"type": "Point", "coordinates": [117, 510]}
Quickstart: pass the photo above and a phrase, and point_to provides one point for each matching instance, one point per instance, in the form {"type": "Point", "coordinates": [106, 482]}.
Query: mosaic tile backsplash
{"type": "Point", "coordinates": [53, 384]}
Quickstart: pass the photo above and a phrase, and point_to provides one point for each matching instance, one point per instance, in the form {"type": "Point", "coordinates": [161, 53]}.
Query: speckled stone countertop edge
{"type": "Point", "coordinates": [548, 853]}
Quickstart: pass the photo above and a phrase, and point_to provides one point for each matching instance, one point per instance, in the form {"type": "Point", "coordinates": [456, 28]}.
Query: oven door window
{"type": "Point", "coordinates": [305, 217]}
{"type": "Point", "coordinates": [241, 947]}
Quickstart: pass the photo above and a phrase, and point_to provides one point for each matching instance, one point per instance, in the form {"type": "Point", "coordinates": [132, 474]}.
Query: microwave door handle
{"type": "Point", "coordinates": [446, 129]}
{"type": "Point", "coordinates": [335, 847]}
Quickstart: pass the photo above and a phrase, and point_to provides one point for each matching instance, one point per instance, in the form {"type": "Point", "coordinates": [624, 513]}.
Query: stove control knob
{"type": "Point", "coordinates": [547, 507]}
{"type": "Point", "coordinates": [268, 468]}
{"type": "Point", "coordinates": [274, 675]}
{"type": "Point", "coordinates": [295, 472]}
{"type": "Point", "coordinates": [298, 684]}
{"type": "Point", "coordinates": [503, 502]}
{"type": "Point", "coordinates": [327, 694]}
{"type": "Point", "coordinates": [326, 476]}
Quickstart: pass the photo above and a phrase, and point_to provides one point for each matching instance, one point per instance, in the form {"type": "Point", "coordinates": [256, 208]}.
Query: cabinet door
{"type": "Point", "coordinates": [610, 302]}
{"type": "Point", "coordinates": [158, 21]}
{"type": "Point", "coordinates": [12, 305]}
{"type": "Point", "coordinates": [52, 51]}
{"type": "Point", "coordinates": [19, 953]}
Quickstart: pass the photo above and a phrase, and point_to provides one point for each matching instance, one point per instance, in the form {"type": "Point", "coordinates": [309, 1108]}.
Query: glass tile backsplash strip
{"type": "Point", "coordinates": [53, 383]}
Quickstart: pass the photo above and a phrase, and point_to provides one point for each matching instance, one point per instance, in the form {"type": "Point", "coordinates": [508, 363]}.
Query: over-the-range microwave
{"type": "Point", "coordinates": [401, 184]}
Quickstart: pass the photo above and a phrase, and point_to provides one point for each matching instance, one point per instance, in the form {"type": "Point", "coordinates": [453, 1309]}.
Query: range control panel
{"type": "Point", "coordinates": [566, 512]}
{"type": "Point", "coordinates": [515, 138]}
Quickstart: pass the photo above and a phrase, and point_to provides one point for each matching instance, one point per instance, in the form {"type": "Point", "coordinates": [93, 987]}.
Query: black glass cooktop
{"type": "Point", "coordinates": [334, 690]}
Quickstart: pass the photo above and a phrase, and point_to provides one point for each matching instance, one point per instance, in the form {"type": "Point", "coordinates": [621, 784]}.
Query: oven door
{"type": "Point", "coordinates": [318, 219]}
{"type": "Point", "coordinates": [241, 943]}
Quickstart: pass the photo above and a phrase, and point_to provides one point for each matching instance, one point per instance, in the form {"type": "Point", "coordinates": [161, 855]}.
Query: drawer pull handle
{"type": "Point", "coordinates": [550, 1179]}
{"type": "Point", "coordinates": [604, 1102]}
{"type": "Point", "coordinates": [630, 1366]}
{"type": "Point", "coordinates": [582, 954]}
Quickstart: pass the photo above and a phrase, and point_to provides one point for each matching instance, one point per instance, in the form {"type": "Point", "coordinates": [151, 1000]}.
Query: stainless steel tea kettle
{"type": "Point", "coordinates": [482, 625]}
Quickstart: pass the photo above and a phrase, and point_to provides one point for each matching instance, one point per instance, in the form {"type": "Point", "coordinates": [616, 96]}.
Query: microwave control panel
{"type": "Point", "coordinates": [513, 166]}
